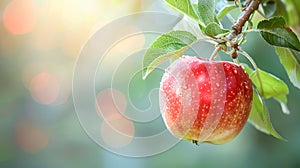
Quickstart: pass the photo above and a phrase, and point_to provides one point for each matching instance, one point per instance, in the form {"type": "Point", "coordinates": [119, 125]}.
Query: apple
{"type": "Point", "coordinates": [205, 101]}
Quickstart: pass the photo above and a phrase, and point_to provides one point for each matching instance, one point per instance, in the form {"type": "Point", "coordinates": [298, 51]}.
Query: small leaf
{"type": "Point", "coordinates": [207, 11]}
{"type": "Point", "coordinates": [214, 30]}
{"type": "Point", "coordinates": [270, 86]}
{"type": "Point", "coordinates": [275, 32]}
{"type": "Point", "coordinates": [166, 46]}
{"type": "Point", "coordinates": [290, 60]}
{"type": "Point", "coordinates": [224, 11]}
{"type": "Point", "coordinates": [269, 7]}
{"type": "Point", "coordinates": [185, 7]}
{"type": "Point", "coordinates": [260, 118]}
{"type": "Point", "coordinates": [274, 8]}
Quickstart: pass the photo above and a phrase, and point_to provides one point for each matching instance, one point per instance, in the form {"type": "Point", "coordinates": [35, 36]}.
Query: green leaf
{"type": "Point", "coordinates": [270, 86]}
{"type": "Point", "coordinates": [185, 7]}
{"type": "Point", "coordinates": [207, 11]}
{"type": "Point", "coordinates": [273, 87]}
{"type": "Point", "coordinates": [260, 118]}
{"type": "Point", "coordinates": [269, 7]}
{"type": "Point", "coordinates": [224, 11]}
{"type": "Point", "coordinates": [167, 46]}
{"type": "Point", "coordinates": [276, 33]}
{"type": "Point", "coordinates": [214, 30]}
{"type": "Point", "coordinates": [259, 115]}
{"type": "Point", "coordinates": [290, 60]}
{"type": "Point", "coordinates": [274, 8]}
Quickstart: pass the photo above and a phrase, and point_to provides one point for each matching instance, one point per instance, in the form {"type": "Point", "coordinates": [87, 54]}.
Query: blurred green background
{"type": "Point", "coordinates": [39, 43]}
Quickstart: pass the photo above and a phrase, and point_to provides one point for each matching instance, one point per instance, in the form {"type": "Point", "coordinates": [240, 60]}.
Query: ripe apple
{"type": "Point", "coordinates": [205, 101]}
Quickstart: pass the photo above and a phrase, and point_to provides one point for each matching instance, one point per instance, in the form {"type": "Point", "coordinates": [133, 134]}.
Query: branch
{"type": "Point", "coordinates": [251, 6]}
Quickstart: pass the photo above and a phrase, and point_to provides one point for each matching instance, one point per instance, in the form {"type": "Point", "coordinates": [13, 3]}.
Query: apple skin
{"type": "Point", "coordinates": [205, 101]}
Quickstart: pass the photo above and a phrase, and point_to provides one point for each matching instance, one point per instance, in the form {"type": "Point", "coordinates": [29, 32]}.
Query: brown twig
{"type": "Point", "coordinates": [251, 6]}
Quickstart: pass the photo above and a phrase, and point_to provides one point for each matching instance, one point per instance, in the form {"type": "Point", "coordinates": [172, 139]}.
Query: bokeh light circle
{"type": "Point", "coordinates": [110, 102]}
{"type": "Point", "coordinates": [30, 137]}
{"type": "Point", "coordinates": [20, 16]}
{"type": "Point", "coordinates": [44, 88]}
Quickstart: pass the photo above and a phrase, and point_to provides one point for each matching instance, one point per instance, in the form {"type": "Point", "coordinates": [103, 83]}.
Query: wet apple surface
{"type": "Point", "coordinates": [205, 101]}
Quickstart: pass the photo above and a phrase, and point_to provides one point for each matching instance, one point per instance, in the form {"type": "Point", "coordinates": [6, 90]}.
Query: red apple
{"type": "Point", "coordinates": [205, 101]}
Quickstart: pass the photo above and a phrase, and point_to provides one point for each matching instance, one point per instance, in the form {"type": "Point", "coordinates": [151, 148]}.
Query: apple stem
{"type": "Point", "coordinates": [255, 68]}
{"type": "Point", "coordinates": [236, 61]}
{"type": "Point", "coordinates": [216, 51]}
